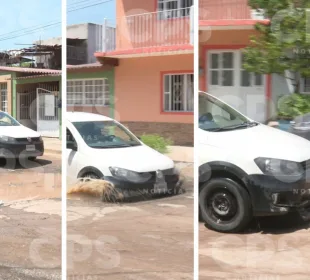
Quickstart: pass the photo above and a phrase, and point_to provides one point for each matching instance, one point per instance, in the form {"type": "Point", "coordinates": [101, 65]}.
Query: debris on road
{"type": "Point", "coordinates": [95, 187]}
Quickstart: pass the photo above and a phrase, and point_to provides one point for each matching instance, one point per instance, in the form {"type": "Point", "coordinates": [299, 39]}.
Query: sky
{"type": "Point", "coordinates": [41, 19]}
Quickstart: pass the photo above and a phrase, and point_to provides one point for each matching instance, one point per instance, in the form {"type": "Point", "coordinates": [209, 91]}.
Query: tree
{"type": "Point", "coordinates": [283, 45]}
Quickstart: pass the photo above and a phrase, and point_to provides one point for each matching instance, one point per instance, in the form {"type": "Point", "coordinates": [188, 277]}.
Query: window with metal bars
{"type": "Point", "coordinates": [305, 85]}
{"type": "Point", "coordinates": [174, 8]}
{"type": "Point", "coordinates": [4, 96]}
{"type": "Point", "coordinates": [178, 93]}
{"type": "Point", "coordinates": [88, 92]}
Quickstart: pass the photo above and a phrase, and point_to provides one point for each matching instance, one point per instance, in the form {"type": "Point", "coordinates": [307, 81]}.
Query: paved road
{"type": "Point", "coordinates": [273, 249]}
{"type": "Point", "coordinates": [32, 180]}
{"type": "Point", "coordinates": [144, 240]}
{"type": "Point", "coordinates": [30, 227]}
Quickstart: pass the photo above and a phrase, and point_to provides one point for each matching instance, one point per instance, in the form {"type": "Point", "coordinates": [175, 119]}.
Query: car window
{"type": "Point", "coordinates": [105, 134]}
{"type": "Point", "coordinates": [70, 138]}
{"type": "Point", "coordinates": [7, 120]}
{"type": "Point", "coordinates": [215, 115]}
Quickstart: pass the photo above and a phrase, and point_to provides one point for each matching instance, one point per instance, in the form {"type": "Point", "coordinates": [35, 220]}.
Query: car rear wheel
{"type": "Point", "coordinates": [225, 205]}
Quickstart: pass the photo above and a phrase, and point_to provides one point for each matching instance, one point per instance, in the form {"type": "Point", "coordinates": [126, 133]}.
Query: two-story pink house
{"type": "Point", "coordinates": [225, 28]}
{"type": "Point", "coordinates": [153, 72]}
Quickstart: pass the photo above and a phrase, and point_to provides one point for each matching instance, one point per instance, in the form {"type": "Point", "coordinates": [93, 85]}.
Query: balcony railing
{"type": "Point", "coordinates": [157, 29]}
{"type": "Point", "coordinates": [227, 10]}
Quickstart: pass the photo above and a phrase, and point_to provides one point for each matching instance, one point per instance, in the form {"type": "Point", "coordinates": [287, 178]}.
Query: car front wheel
{"type": "Point", "coordinates": [225, 205]}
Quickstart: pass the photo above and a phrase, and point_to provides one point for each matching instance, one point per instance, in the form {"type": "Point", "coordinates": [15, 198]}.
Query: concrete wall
{"type": "Point", "coordinates": [138, 88]}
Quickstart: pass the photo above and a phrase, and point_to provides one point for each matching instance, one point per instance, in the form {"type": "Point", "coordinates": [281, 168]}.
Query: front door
{"type": "Point", "coordinates": [228, 81]}
{"type": "Point", "coordinates": [47, 113]}
{"type": "Point", "coordinates": [26, 113]}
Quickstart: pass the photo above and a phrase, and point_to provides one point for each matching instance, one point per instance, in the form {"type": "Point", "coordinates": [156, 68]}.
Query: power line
{"type": "Point", "coordinates": [96, 4]}
{"type": "Point", "coordinates": [75, 3]}
{"type": "Point", "coordinates": [35, 28]}
{"type": "Point", "coordinates": [29, 30]}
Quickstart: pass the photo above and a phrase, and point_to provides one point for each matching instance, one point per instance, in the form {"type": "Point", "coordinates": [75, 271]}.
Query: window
{"type": "Point", "coordinates": [105, 134]}
{"type": "Point", "coordinates": [222, 69]}
{"type": "Point", "coordinates": [88, 92]}
{"type": "Point", "coordinates": [305, 85]}
{"type": "Point", "coordinates": [250, 79]}
{"type": "Point", "coordinates": [174, 8]}
{"type": "Point", "coordinates": [217, 116]}
{"type": "Point", "coordinates": [4, 96]}
{"type": "Point", "coordinates": [179, 93]}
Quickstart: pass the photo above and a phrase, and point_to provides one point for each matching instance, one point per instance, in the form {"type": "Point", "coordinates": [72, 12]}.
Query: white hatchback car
{"type": "Point", "coordinates": [101, 148]}
{"type": "Point", "coordinates": [18, 141]}
{"type": "Point", "coordinates": [248, 169]}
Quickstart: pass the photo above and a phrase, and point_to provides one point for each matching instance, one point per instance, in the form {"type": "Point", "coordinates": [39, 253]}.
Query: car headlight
{"type": "Point", "coordinates": [128, 175]}
{"type": "Point", "coordinates": [279, 167]}
{"type": "Point", "coordinates": [6, 139]}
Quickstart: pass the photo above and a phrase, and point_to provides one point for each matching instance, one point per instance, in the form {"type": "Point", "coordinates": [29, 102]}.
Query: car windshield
{"type": "Point", "coordinates": [105, 134]}
{"type": "Point", "coordinates": [7, 120]}
{"type": "Point", "coordinates": [215, 115]}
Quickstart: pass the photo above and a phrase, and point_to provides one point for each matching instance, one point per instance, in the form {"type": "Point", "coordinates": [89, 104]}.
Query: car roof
{"type": "Point", "coordinates": [85, 117]}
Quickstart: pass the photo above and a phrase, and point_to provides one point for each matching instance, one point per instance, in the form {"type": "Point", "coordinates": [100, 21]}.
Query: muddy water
{"type": "Point", "coordinates": [39, 179]}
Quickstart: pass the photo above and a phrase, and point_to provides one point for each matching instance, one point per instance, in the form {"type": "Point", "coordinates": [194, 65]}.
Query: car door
{"type": "Point", "coordinates": [71, 157]}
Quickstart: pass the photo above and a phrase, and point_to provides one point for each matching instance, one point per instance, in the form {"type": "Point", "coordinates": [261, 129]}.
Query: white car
{"type": "Point", "coordinates": [248, 169]}
{"type": "Point", "coordinates": [18, 141]}
{"type": "Point", "coordinates": [101, 148]}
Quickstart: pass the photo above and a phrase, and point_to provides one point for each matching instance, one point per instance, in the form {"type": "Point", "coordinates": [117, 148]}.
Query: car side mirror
{"type": "Point", "coordinates": [72, 146]}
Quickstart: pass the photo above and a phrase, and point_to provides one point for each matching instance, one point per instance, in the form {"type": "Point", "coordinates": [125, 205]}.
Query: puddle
{"type": "Point", "coordinates": [29, 185]}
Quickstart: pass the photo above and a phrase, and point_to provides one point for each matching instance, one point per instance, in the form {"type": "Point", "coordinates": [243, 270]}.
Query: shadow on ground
{"type": "Point", "coordinates": [289, 223]}
{"type": "Point", "coordinates": [20, 165]}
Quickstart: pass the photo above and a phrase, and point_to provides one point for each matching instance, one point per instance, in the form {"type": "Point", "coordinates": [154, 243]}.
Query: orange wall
{"type": "Point", "coordinates": [146, 29]}
{"type": "Point", "coordinates": [132, 7]}
{"type": "Point", "coordinates": [138, 88]}
{"type": "Point", "coordinates": [218, 39]}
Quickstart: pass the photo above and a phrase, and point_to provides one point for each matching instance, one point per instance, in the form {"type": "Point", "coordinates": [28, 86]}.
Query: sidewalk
{"type": "Point", "coordinates": [52, 145]}
{"type": "Point", "coordinates": [181, 154]}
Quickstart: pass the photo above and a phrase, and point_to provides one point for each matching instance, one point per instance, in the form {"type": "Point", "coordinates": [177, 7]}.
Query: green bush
{"type": "Point", "coordinates": [156, 142]}
{"type": "Point", "coordinates": [294, 105]}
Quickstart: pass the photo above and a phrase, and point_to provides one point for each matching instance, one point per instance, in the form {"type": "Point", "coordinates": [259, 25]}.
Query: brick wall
{"type": "Point", "coordinates": [180, 133]}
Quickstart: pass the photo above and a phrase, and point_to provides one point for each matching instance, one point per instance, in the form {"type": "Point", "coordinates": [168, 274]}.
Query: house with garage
{"type": "Point", "coordinates": [153, 68]}
{"type": "Point", "coordinates": [225, 28]}
{"type": "Point", "coordinates": [32, 96]}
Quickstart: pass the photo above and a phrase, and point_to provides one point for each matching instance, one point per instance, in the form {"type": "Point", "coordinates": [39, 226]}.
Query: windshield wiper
{"type": "Point", "coordinates": [237, 126]}
{"type": "Point", "coordinates": [111, 146]}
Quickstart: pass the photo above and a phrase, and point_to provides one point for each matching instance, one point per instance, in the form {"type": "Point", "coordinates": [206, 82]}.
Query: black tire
{"type": "Point", "coordinates": [32, 158]}
{"type": "Point", "coordinates": [225, 205]}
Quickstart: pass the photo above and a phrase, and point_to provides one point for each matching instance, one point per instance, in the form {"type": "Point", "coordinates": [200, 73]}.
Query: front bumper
{"type": "Point", "coordinates": [19, 150]}
{"type": "Point", "coordinates": [271, 196]}
{"type": "Point", "coordinates": [172, 183]}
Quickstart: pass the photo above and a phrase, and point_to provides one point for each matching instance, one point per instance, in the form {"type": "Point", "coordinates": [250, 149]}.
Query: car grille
{"type": "Point", "coordinates": [306, 165]}
{"type": "Point", "coordinates": [25, 140]}
{"type": "Point", "coordinates": [168, 173]}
